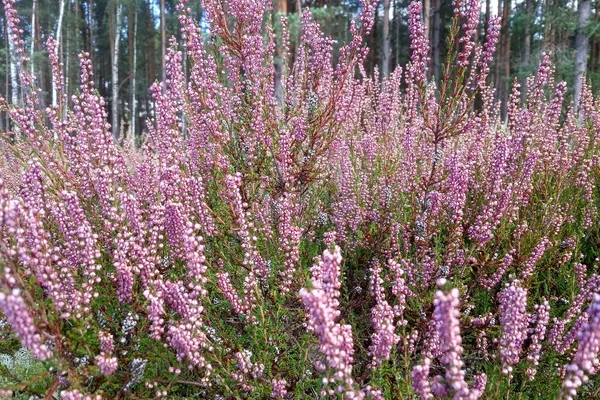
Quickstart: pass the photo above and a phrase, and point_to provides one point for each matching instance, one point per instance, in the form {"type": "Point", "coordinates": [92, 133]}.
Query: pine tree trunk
{"type": "Point", "coordinates": [14, 74]}
{"type": "Point", "coordinates": [397, 23]}
{"type": "Point", "coordinates": [503, 64]}
{"type": "Point", "coordinates": [426, 16]}
{"type": "Point", "coordinates": [61, 14]}
{"type": "Point", "coordinates": [488, 10]}
{"type": "Point", "coordinates": [6, 76]}
{"type": "Point", "coordinates": [526, 58]}
{"type": "Point", "coordinates": [66, 56]}
{"type": "Point", "coordinates": [76, 44]}
{"type": "Point", "coordinates": [385, 62]}
{"type": "Point", "coordinates": [42, 70]}
{"type": "Point", "coordinates": [593, 64]}
{"type": "Point", "coordinates": [133, 50]}
{"type": "Point", "coordinates": [91, 28]}
{"type": "Point", "coordinates": [498, 58]}
{"type": "Point", "coordinates": [115, 73]}
{"type": "Point", "coordinates": [279, 9]}
{"type": "Point", "coordinates": [549, 27]}
{"type": "Point", "coordinates": [437, 22]}
{"type": "Point", "coordinates": [584, 11]}
{"type": "Point", "coordinates": [163, 38]}
{"type": "Point", "coordinates": [33, 36]}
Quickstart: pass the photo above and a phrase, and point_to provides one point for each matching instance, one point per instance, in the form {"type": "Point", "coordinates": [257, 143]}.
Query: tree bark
{"type": "Point", "coordinates": [279, 9]}
{"type": "Point", "coordinates": [488, 10]}
{"type": "Point", "coordinates": [91, 28]}
{"type": "Point", "coordinates": [163, 38]}
{"type": "Point", "coordinates": [33, 36]}
{"type": "Point", "coordinates": [115, 73]}
{"type": "Point", "coordinates": [14, 74]}
{"type": "Point", "coordinates": [526, 57]}
{"type": "Point", "coordinates": [385, 62]}
{"type": "Point", "coordinates": [6, 77]}
{"type": "Point", "coordinates": [427, 16]}
{"type": "Point", "coordinates": [503, 62]}
{"type": "Point", "coordinates": [584, 11]}
{"type": "Point", "coordinates": [437, 22]}
{"type": "Point", "coordinates": [397, 24]}
{"type": "Point", "coordinates": [133, 69]}
{"type": "Point", "coordinates": [61, 14]}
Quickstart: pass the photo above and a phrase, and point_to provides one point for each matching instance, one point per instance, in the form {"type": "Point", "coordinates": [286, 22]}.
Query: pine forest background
{"type": "Point", "coordinates": [127, 40]}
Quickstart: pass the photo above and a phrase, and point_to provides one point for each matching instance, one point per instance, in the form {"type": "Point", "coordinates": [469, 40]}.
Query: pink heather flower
{"type": "Point", "coordinates": [107, 344]}
{"type": "Point", "coordinates": [76, 395]}
{"type": "Point", "coordinates": [447, 327]}
{"type": "Point", "coordinates": [241, 305]}
{"type": "Point", "coordinates": [585, 362]}
{"type": "Point", "coordinates": [497, 277]}
{"type": "Point", "coordinates": [446, 316]}
{"type": "Point", "coordinates": [536, 254]}
{"type": "Point", "coordinates": [470, 26]}
{"type": "Point", "coordinates": [105, 360]}
{"type": "Point", "coordinates": [419, 45]}
{"type": "Point", "coordinates": [538, 334]}
{"type": "Point", "coordinates": [289, 236]}
{"type": "Point", "coordinates": [514, 321]}
{"type": "Point", "coordinates": [279, 388]}
{"type": "Point", "coordinates": [246, 228]}
{"type": "Point", "coordinates": [108, 365]}
{"type": "Point", "coordinates": [322, 305]}
{"type": "Point", "coordinates": [22, 324]}
{"type": "Point", "coordinates": [420, 379]}
{"type": "Point", "coordinates": [384, 337]}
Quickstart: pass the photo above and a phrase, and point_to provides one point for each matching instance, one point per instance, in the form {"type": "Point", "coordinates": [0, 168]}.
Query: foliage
{"type": "Point", "coordinates": [359, 237]}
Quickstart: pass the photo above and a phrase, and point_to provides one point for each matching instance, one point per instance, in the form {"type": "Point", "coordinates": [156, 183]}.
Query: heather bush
{"type": "Point", "coordinates": [356, 237]}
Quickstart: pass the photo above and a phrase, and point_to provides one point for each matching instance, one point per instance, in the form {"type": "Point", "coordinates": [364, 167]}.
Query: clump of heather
{"type": "Point", "coordinates": [352, 236]}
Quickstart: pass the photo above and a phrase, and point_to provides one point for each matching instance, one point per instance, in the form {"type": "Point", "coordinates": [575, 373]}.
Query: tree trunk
{"type": "Point", "coordinates": [593, 64]}
{"type": "Point", "coordinates": [115, 73]}
{"type": "Point", "coordinates": [584, 11]}
{"type": "Point", "coordinates": [279, 9]}
{"type": "Point", "coordinates": [33, 36]}
{"type": "Point", "coordinates": [549, 27]}
{"type": "Point", "coordinates": [163, 38]}
{"type": "Point", "coordinates": [526, 58]}
{"type": "Point", "coordinates": [133, 69]}
{"type": "Point", "coordinates": [42, 69]}
{"type": "Point", "coordinates": [397, 24]}
{"type": "Point", "coordinates": [385, 63]}
{"type": "Point", "coordinates": [437, 26]}
{"type": "Point", "coordinates": [503, 62]}
{"type": "Point", "coordinates": [488, 10]}
{"type": "Point", "coordinates": [76, 45]}
{"type": "Point", "coordinates": [14, 74]}
{"type": "Point", "coordinates": [61, 14]}
{"type": "Point", "coordinates": [66, 57]}
{"type": "Point", "coordinates": [91, 28]}
{"type": "Point", "coordinates": [6, 77]}
{"type": "Point", "coordinates": [426, 16]}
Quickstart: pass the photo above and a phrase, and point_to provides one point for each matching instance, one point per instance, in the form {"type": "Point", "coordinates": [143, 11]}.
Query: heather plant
{"type": "Point", "coordinates": [359, 237]}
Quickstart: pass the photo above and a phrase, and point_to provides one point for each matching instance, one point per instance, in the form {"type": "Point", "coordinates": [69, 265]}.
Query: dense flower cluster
{"type": "Point", "coordinates": [283, 237]}
{"type": "Point", "coordinates": [514, 321]}
{"type": "Point", "coordinates": [585, 360]}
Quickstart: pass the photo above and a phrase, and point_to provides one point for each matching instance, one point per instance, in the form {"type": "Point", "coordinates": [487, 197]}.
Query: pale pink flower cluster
{"type": "Point", "coordinates": [105, 360]}
{"type": "Point", "coordinates": [514, 321]}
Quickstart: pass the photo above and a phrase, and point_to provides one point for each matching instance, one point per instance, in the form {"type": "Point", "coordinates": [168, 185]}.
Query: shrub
{"type": "Point", "coordinates": [358, 237]}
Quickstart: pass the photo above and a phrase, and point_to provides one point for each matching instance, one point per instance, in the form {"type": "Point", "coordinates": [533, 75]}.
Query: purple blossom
{"type": "Point", "coordinates": [514, 321]}
{"type": "Point", "coordinates": [22, 323]}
